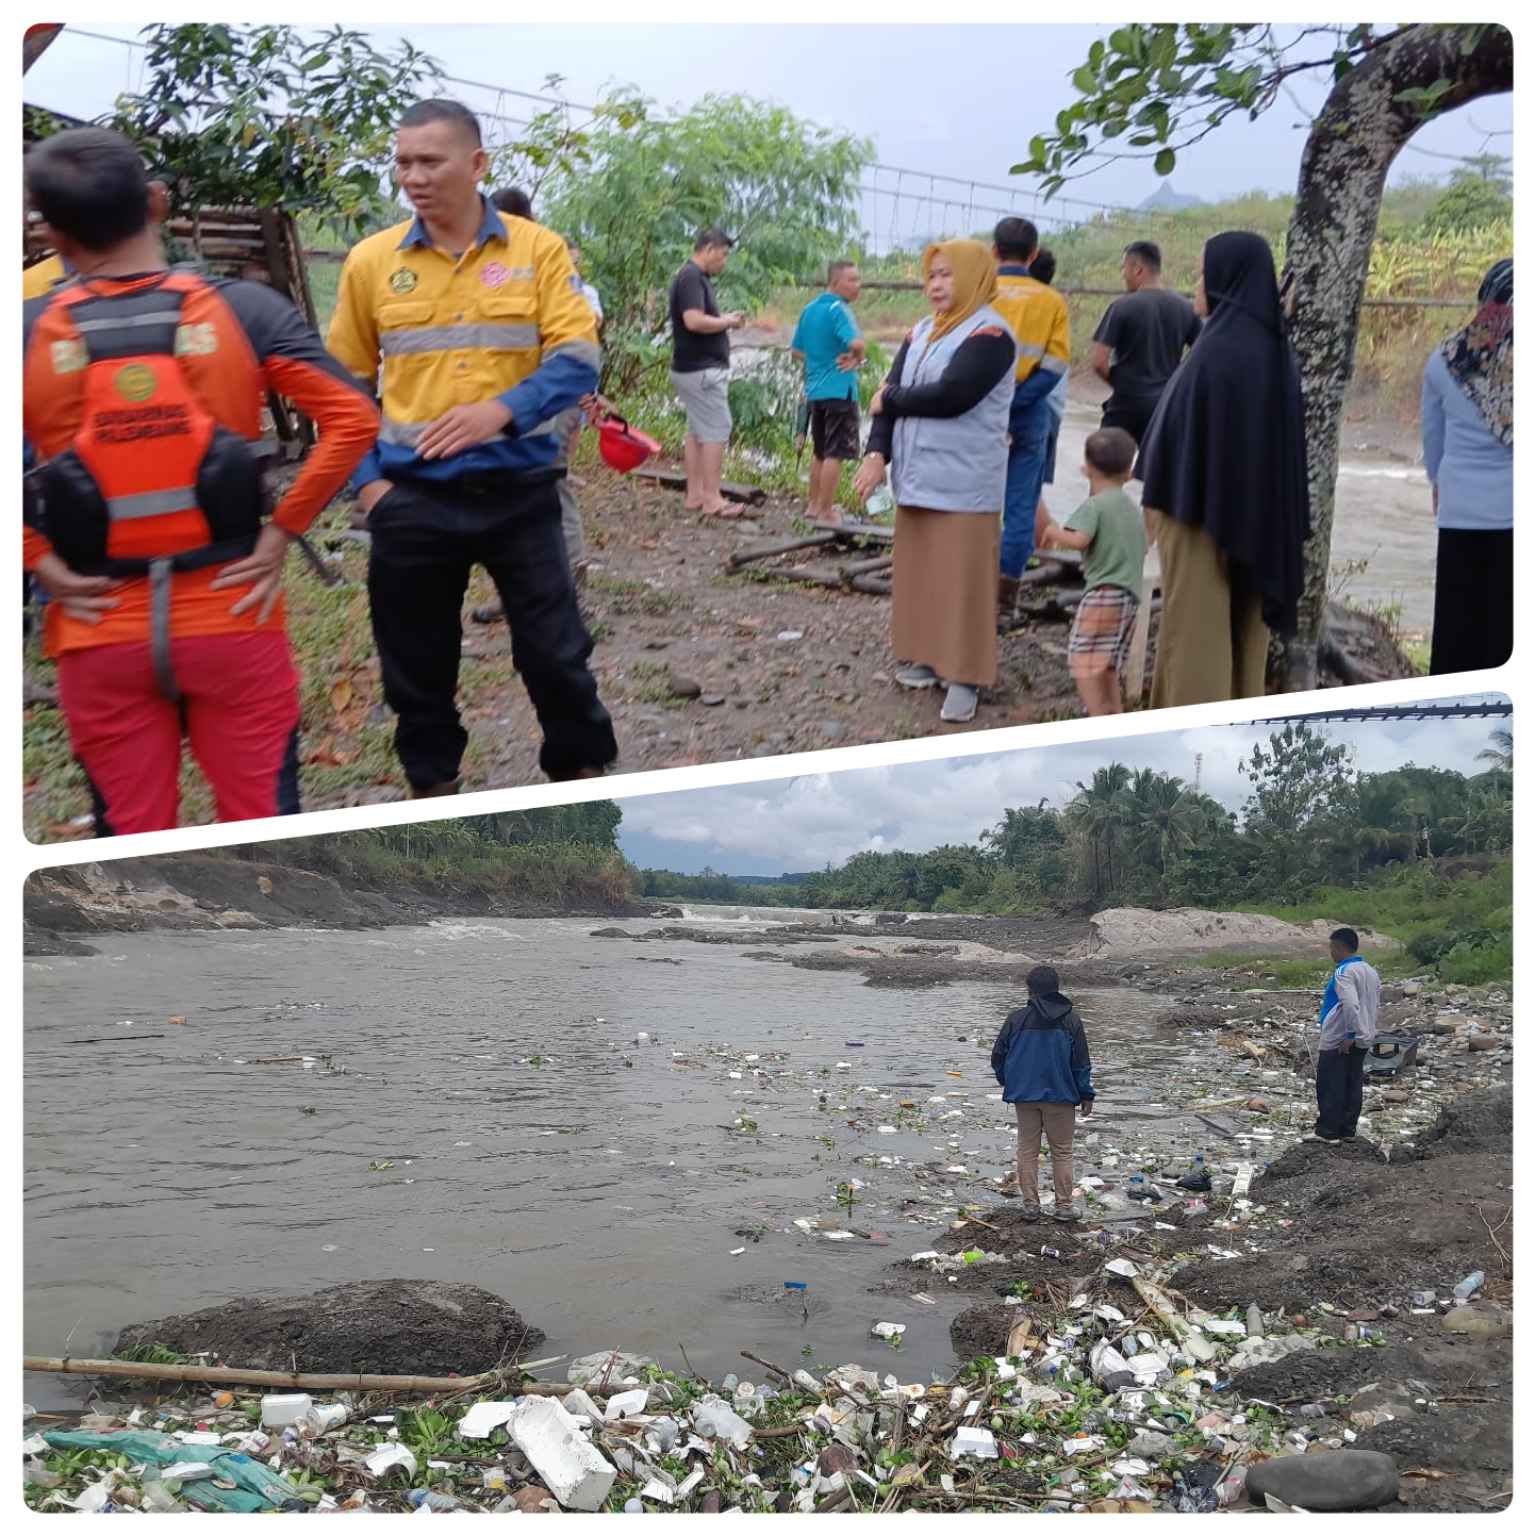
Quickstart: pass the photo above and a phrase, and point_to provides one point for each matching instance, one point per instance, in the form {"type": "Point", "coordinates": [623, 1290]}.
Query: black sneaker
{"type": "Point", "coordinates": [1031, 1213]}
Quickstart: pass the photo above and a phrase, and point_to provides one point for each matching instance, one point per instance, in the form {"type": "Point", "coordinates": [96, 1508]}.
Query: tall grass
{"type": "Point", "coordinates": [557, 874]}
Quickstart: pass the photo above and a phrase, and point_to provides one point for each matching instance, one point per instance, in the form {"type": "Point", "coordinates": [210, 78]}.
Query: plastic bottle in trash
{"type": "Point", "coordinates": [1255, 1321]}
{"type": "Point", "coordinates": [1469, 1286]}
{"type": "Point", "coordinates": [419, 1497]}
{"type": "Point", "coordinates": [881, 501]}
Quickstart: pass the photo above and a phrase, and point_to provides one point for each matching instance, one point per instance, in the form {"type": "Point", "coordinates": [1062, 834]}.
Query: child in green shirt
{"type": "Point", "coordinates": [1110, 530]}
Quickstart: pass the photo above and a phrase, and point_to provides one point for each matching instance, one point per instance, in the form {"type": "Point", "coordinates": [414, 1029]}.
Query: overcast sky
{"type": "Point", "coordinates": [958, 100]}
{"type": "Point", "coordinates": [791, 825]}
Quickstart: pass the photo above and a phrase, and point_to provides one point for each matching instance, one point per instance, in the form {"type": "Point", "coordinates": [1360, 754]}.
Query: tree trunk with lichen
{"type": "Point", "coordinates": [1344, 169]}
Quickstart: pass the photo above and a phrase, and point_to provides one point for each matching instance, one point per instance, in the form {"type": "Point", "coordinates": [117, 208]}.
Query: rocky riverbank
{"type": "Point", "coordinates": [64, 906]}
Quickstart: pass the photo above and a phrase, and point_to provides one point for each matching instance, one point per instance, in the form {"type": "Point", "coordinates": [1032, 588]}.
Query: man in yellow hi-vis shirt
{"type": "Point", "coordinates": [42, 276]}
{"type": "Point", "coordinates": [484, 337]}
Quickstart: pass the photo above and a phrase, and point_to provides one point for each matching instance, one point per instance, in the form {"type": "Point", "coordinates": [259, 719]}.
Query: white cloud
{"type": "Point", "coordinates": [815, 819]}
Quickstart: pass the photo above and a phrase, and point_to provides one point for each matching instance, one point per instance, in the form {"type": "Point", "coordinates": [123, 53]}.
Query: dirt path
{"type": "Point", "coordinates": [786, 667]}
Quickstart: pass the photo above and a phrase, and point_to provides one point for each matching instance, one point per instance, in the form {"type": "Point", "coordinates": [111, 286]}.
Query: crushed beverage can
{"type": "Point", "coordinates": [1050, 1253]}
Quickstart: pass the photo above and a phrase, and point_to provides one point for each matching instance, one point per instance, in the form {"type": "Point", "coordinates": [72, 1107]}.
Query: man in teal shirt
{"type": "Point", "coordinates": [827, 341]}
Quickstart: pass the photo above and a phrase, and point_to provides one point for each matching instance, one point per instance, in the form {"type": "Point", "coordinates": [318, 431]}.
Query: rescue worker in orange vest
{"type": "Point", "coordinates": [37, 279]}
{"type": "Point", "coordinates": [485, 338]}
{"type": "Point", "coordinates": [142, 398]}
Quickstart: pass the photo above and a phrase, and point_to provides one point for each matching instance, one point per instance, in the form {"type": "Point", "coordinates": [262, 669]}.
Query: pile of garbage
{"type": "Point", "coordinates": [1122, 1399]}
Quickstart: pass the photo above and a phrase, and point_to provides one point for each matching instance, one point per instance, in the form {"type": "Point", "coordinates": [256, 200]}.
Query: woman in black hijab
{"type": "Point", "coordinates": [1225, 484]}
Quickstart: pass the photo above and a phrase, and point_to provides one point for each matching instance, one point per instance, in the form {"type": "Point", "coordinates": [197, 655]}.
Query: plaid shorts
{"type": "Point", "coordinates": [1101, 632]}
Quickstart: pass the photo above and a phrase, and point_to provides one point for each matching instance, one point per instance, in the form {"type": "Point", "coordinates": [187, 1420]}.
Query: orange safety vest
{"type": "Point", "coordinates": [152, 482]}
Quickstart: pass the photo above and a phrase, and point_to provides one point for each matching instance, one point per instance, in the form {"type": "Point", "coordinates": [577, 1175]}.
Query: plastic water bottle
{"type": "Point", "coordinates": [419, 1497]}
{"type": "Point", "coordinates": [1469, 1286]}
{"type": "Point", "coordinates": [881, 501]}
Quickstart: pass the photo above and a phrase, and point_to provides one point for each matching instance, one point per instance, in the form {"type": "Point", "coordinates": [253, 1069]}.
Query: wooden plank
{"type": "Point", "coordinates": [876, 531]}
{"type": "Point", "coordinates": [676, 480]}
{"type": "Point", "coordinates": [788, 547]}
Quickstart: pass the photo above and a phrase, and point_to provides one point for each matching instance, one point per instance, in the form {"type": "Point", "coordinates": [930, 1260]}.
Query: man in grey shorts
{"type": "Point", "coordinates": [701, 370]}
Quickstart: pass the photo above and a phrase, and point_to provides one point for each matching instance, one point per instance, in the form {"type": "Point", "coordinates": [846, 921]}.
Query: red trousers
{"type": "Point", "coordinates": [240, 708]}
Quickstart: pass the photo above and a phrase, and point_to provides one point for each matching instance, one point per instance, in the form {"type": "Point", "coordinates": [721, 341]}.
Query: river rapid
{"type": "Point", "coordinates": [537, 1150]}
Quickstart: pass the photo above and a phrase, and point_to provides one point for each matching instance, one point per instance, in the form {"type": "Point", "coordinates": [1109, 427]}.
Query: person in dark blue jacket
{"type": "Point", "coordinates": [1041, 1060]}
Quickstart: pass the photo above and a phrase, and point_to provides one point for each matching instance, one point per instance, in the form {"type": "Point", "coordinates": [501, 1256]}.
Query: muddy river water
{"type": "Point", "coordinates": [537, 1150]}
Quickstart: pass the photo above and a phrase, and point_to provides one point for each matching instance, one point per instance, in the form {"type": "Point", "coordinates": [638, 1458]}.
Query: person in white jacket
{"type": "Point", "coordinates": [1347, 1021]}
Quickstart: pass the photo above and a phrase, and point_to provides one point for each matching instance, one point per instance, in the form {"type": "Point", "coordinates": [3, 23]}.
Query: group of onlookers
{"type": "Point", "coordinates": [461, 358]}
{"type": "Point", "coordinates": [1206, 411]}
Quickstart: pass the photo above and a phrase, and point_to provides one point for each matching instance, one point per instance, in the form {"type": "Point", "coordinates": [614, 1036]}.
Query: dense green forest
{"type": "Point", "coordinates": [748, 890]}
{"type": "Point", "coordinates": [1136, 837]}
{"type": "Point", "coordinates": [564, 855]}
{"type": "Point", "coordinates": [1420, 853]}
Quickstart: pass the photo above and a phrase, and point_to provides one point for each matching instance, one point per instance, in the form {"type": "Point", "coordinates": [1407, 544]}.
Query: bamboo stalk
{"type": "Point", "coordinates": [232, 1376]}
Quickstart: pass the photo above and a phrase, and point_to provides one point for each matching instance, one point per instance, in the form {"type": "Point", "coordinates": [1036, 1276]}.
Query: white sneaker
{"type": "Point", "coordinates": [917, 677]}
{"type": "Point", "coordinates": [959, 703]}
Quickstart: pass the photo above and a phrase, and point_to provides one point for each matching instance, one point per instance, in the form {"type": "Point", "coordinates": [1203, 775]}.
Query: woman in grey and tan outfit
{"type": "Point", "coordinates": [940, 421]}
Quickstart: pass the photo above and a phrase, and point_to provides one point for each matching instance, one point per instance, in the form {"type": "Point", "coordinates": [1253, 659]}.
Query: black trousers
{"type": "Point", "coordinates": [1340, 1083]}
{"type": "Point", "coordinates": [1133, 416]}
{"type": "Point", "coordinates": [426, 537]}
{"type": "Point", "coordinates": [1474, 600]}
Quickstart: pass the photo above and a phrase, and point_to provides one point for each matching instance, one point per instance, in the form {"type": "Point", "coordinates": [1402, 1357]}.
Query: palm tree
{"type": "Point", "coordinates": [1098, 812]}
{"type": "Point", "coordinates": [1501, 752]}
{"type": "Point", "coordinates": [1164, 817]}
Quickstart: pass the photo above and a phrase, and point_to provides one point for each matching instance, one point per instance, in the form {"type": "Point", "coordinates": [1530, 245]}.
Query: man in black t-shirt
{"type": "Point", "coordinates": [701, 370]}
{"type": "Point", "coordinates": [1141, 340]}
